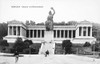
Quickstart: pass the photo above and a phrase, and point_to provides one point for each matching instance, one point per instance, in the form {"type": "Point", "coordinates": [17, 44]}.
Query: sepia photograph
{"type": "Point", "coordinates": [49, 31]}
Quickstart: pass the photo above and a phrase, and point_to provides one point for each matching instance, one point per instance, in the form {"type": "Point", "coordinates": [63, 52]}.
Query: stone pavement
{"type": "Point", "coordinates": [51, 59]}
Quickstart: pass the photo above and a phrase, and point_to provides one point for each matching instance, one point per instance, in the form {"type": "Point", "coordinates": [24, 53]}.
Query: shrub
{"type": "Point", "coordinates": [66, 45]}
{"type": "Point", "coordinates": [19, 45]}
{"type": "Point", "coordinates": [96, 47]}
{"type": "Point", "coordinates": [4, 43]}
{"type": "Point", "coordinates": [87, 44]}
{"type": "Point", "coordinates": [28, 42]}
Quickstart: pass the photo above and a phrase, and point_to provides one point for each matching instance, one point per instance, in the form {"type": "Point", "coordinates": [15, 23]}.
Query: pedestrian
{"type": "Point", "coordinates": [16, 54]}
{"type": "Point", "coordinates": [46, 53]}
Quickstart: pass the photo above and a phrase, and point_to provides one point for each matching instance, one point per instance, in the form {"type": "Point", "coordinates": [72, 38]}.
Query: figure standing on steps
{"type": "Point", "coordinates": [16, 54]}
{"type": "Point", "coordinates": [49, 22]}
{"type": "Point", "coordinates": [46, 53]}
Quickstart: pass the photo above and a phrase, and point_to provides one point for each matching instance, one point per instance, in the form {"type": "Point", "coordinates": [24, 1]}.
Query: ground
{"type": "Point", "coordinates": [51, 59]}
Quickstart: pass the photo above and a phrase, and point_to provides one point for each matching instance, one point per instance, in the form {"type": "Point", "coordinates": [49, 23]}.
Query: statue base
{"type": "Point", "coordinates": [48, 43]}
{"type": "Point", "coordinates": [48, 36]}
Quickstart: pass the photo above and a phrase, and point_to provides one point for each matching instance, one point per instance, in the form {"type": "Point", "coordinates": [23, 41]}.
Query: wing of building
{"type": "Point", "coordinates": [79, 33]}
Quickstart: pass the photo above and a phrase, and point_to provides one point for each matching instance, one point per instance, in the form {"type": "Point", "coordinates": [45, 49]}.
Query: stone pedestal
{"type": "Point", "coordinates": [48, 36]}
{"type": "Point", "coordinates": [48, 43]}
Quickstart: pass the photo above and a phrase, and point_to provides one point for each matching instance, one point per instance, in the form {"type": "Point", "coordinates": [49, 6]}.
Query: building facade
{"type": "Point", "coordinates": [79, 33]}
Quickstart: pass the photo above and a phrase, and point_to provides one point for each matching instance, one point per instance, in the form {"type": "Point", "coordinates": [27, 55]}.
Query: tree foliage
{"type": "Point", "coordinates": [96, 47]}
{"type": "Point", "coordinates": [4, 43]}
{"type": "Point", "coordinates": [19, 45]}
{"type": "Point", "coordinates": [66, 44]}
{"type": "Point", "coordinates": [87, 44]}
{"type": "Point", "coordinates": [72, 22]}
{"type": "Point", "coordinates": [3, 30]}
{"type": "Point", "coordinates": [28, 42]}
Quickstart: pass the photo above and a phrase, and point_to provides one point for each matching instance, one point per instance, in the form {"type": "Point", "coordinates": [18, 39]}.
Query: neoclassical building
{"type": "Point", "coordinates": [79, 33]}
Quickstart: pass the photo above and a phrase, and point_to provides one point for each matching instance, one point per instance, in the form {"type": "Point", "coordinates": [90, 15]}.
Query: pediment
{"type": "Point", "coordinates": [85, 22]}
{"type": "Point", "coordinates": [14, 22]}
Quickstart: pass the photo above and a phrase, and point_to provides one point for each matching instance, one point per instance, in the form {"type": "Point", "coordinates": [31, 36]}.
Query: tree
{"type": "Point", "coordinates": [32, 22]}
{"type": "Point", "coordinates": [4, 44]}
{"type": "Point", "coordinates": [96, 47]}
{"type": "Point", "coordinates": [19, 45]}
{"type": "Point", "coordinates": [3, 30]}
{"type": "Point", "coordinates": [27, 22]}
{"type": "Point", "coordinates": [66, 45]}
{"type": "Point", "coordinates": [72, 23]}
{"type": "Point", "coordinates": [87, 44]}
{"type": "Point", "coordinates": [28, 42]}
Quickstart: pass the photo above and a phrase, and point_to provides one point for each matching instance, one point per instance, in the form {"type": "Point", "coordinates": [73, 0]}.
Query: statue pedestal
{"type": "Point", "coordinates": [48, 36]}
{"type": "Point", "coordinates": [48, 43]}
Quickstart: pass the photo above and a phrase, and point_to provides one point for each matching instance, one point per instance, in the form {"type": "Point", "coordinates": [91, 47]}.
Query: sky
{"type": "Point", "coordinates": [37, 10]}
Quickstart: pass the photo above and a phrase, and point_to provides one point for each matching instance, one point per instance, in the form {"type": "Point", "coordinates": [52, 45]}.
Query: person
{"type": "Point", "coordinates": [16, 54]}
{"type": "Point", "coordinates": [46, 53]}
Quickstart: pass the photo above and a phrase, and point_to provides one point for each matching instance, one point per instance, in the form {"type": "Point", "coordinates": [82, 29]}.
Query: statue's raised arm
{"type": "Point", "coordinates": [53, 10]}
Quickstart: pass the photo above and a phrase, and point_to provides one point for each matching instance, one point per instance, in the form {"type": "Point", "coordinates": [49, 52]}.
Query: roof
{"type": "Point", "coordinates": [85, 22]}
{"type": "Point", "coordinates": [14, 22]}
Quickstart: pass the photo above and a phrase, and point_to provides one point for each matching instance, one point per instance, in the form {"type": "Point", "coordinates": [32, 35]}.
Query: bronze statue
{"type": "Point", "coordinates": [49, 22]}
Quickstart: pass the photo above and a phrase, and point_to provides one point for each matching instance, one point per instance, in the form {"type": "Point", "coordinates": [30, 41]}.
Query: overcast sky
{"type": "Point", "coordinates": [66, 10]}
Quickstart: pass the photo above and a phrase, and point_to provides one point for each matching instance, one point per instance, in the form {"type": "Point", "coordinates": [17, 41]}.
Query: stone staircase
{"type": "Point", "coordinates": [47, 46]}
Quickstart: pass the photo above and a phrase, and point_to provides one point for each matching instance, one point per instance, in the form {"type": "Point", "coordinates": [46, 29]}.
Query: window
{"type": "Point", "coordinates": [54, 33]}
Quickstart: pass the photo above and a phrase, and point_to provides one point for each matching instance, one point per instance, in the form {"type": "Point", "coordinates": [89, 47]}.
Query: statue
{"type": "Point", "coordinates": [49, 22]}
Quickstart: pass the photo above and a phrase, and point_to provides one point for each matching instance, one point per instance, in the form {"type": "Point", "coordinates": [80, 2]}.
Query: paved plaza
{"type": "Point", "coordinates": [51, 59]}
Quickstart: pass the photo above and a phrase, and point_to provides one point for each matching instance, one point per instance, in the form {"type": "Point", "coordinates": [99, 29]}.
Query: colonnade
{"type": "Point", "coordinates": [15, 30]}
{"type": "Point", "coordinates": [85, 31]}
{"type": "Point", "coordinates": [64, 33]}
{"type": "Point", "coordinates": [35, 33]}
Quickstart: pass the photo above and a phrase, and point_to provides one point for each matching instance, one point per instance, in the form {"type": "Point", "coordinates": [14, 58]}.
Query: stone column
{"type": "Point", "coordinates": [71, 33]}
{"type": "Point", "coordinates": [56, 33]}
{"type": "Point", "coordinates": [91, 31]}
{"type": "Point", "coordinates": [41, 33]}
{"type": "Point", "coordinates": [17, 30]}
{"type": "Point", "coordinates": [8, 30]}
{"type": "Point", "coordinates": [82, 32]}
{"type": "Point", "coordinates": [37, 33]}
{"type": "Point", "coordinates": [86, 31]}
{"type": "Point", "coordinates": [12, 30]}
{"type": "Point", "coordinates": [67, 33]}
{"type": "Point", "coordinates": [20, 31]}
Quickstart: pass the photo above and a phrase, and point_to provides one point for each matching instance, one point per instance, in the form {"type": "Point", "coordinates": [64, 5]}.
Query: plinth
{"type": "Point", "coordinates": [48, 36]}
{"type": "Point", "coordinates": [48, 43]}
